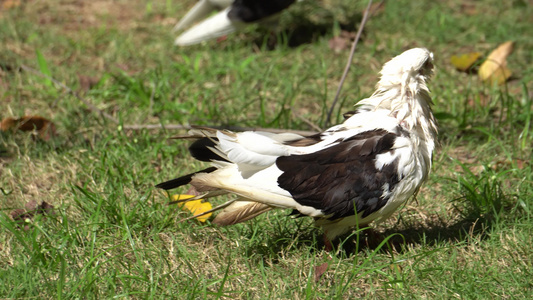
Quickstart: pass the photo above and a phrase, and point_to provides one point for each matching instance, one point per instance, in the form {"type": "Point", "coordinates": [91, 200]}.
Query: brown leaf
{"type": "Point", "coordinates": [469, 9]}
{"type": "Point", "coordinates": [494, 69]}
{"type": "Point", "coordinates": [47, 209]}
{"type": "Point", "coordinates": [86, 82]}
{"type": "Point", "coordinates": [8, 67]}
{"type": "Point", "coordinates": [222, 39]}
{"type": "Point", "coordinates": [43, 126]}
{"type": "Point", "coordinates": [505, 164]}
{"type": "Point", "coordinates": [483, 100]}
{"type": "Point", "coordinates": [320, 270]}
{"type": "Point", "coordinates": [341, 42]}
{"type": "Point", "coordinates": [8, 4]}
{"type": "Point", "coordinates": [31, 206]}
{"type": "Point", "coordinates": [338, 44]}
{"type": "Point", "coordinates": [520, 163]}
{"type": "Point", "coordinates": [23, 217]}
{"type": "Point", "coordinates": [17, 214]}
{"type": "Point", "coordinates": [44, 208]}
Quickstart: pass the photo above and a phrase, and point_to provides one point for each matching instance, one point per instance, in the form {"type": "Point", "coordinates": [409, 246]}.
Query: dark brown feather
{"type": "Point", "coordinates": [306, 141]}
{"type": "Point", "coordinates": [342, 177]}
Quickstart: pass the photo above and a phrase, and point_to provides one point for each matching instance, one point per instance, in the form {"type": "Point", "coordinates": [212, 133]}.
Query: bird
{"type": "Point", "coordinates": [234, 15]}
{"type": "Point", "coordinates": [350, 175]}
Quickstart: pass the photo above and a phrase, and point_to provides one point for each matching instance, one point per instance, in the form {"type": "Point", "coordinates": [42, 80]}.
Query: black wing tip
{"type": "Point", "coordinates": [201, 150]}
{"type": "Point", "coordinates": [183, 180]}
{"type": "Point", "coordinates": [168, 185]}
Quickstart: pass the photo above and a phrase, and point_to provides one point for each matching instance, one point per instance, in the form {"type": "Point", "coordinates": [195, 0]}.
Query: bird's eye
{"type": "Point", "coordinates": [426, 67]}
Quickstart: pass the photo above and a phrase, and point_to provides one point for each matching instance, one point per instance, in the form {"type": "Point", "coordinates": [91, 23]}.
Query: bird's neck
{"type": "Point", "coordinates": [410, 104]}
{"type": "Point", "coordinates": [412, 109]}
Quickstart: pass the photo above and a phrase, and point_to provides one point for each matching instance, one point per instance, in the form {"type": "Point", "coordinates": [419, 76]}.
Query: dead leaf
{"type": "Point", "coordinates": [17, 213]}
{"type": "Point", "coordinates": [31, 206]}
{"type": "Point", "coordinates": [520, 163]}
{"type": "Point", "coordinates": [464, 62]}
{"type": "Point", "coordinates": [43, 126]}
{"type": "Point", "coordinates": [469, 9]}
{"type": "Point", "coordinates": [482, 99]}
{"type": "Point", "coordinates": [196, 207]}
{"type": "Point", "coordinates": [86, 82]}
{"type": "Point", "coordinates": [222, 39]}
{"type": "Point", "coordinates": [320, 270]}
{"type": "Point", "coordinates": [24, 217]}
{"type": "Point", "coordinates": [342, 41]}
{"type": "Point", "coordinates": [494, 69]}
{"type": "Point", "coordinates": [8, 4]}
{"type": "Point", "coordinates": [8, 67]}
{"type": "Point", "coordinates": [505, 164]}
{"type": "Point", "coordinates": [337, 44]}
{"type": "Point", "coordinates": [47, 209]}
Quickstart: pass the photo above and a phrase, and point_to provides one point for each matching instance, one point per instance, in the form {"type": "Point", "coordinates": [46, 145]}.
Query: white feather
{"type": "Point", "coordinates": [213, 27]}
{"type": "Point", "coordinates": [200, 11]}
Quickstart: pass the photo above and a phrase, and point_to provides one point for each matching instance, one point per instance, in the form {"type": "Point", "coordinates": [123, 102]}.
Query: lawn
{"type": "Point", "coordinates": [80, 216]}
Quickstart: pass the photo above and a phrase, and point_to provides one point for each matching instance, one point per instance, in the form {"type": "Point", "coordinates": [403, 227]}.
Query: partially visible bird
{"type": "Point", "coordinates": [234, 14]}
{"type": "Point", "coordinates": [349, 175]}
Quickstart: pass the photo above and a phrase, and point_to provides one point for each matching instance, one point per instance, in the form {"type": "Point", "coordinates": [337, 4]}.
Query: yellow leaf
{"type": "Point", "coordinates": [465, 61]}
{"type": "Point", "coordinates": [196, 207]}
{"type": "Point", "coordinates": [494, 69]}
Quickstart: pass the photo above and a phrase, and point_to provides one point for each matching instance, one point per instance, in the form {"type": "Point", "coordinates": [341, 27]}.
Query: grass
{"type": "Point", "coordinates": [111, 234]}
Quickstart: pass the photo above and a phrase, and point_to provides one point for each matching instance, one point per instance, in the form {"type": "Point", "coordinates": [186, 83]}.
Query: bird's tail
{"type": "Point", "coordinates": [233, 211]}
{"type": "Point", "coordinates": [240, 210]}
{"type": "Point", "coordinates": [213, 27]}
{"type": "Point", "coordinates": [199, 11]}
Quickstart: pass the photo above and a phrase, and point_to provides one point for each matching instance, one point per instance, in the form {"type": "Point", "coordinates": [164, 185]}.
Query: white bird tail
{"type": "Point", "coordinates": [213, 27]}
{"type": "Point", "coordinates": [200, 11]}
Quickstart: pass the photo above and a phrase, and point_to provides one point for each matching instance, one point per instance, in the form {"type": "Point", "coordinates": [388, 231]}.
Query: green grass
{"type": "Point", "coordinates": [111, 234]}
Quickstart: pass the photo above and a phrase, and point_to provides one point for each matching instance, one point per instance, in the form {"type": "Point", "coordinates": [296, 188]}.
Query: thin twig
{"type": "Point", "coordinates": [348, 64]}
{"type": "Point", "coordinates": [96, 110]}
{"type": "Point", "coordinates": [308, 122]}
{"type": "Point", "coordinates": [232, 128]}
{"type": "Point", "coordinates": [152, 94]}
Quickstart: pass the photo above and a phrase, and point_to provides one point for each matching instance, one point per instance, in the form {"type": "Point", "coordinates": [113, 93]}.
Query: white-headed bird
{"type": "Point", "coordinates": [350, 175]}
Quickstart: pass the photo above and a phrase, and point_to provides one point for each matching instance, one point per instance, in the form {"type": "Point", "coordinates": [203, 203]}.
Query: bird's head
{"type": "Point", "coordinates": [403, 91]}
{"type": "Point", "coordinates": [412, 67]}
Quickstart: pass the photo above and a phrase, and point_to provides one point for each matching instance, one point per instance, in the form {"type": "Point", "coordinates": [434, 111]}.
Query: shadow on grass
{"type": "Point", "coordinates": [392, 239]}
{"type": "Point", "coordinates": [433, 234]}
{"type": "Point", "coordinates": [303, 31]}
{"type": "Point", "coordinates": [482, 204]}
